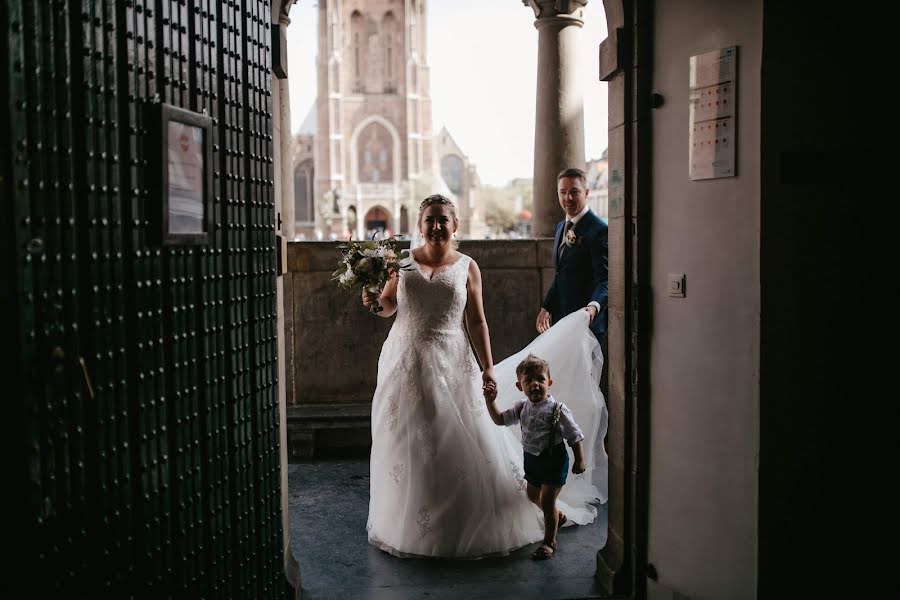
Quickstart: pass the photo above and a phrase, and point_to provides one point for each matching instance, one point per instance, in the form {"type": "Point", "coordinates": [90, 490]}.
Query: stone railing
{"type": "Point", "coordinates": [374, 192]}
{"type": "Point", "coordinates": [333, 343]}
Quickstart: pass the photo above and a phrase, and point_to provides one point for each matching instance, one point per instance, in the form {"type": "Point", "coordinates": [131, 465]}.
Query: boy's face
{"type": "Point", "coordinates": [535, 384]}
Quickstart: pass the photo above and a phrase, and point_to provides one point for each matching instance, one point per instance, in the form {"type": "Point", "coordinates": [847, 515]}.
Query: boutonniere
{"type": "Point", "coordinates": [571, 239]}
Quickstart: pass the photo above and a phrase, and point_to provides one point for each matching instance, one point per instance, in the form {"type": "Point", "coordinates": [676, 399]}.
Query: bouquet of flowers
{"type": "Point", "coordinates": [369, 265]}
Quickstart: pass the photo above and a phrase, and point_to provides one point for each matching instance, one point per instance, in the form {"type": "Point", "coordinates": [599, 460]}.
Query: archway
{"type": "Point", "coordinates": [377, 223]}
{"type": "Point", "coordinates": [618, 562]}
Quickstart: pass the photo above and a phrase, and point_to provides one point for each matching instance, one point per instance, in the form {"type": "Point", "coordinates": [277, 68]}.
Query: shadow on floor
{"type": "Point", "coordinates": [329, 503]}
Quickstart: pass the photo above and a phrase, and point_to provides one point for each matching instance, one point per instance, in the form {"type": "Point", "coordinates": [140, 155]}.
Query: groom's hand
{"type": "Point", "coordinates": [592, 312]}
{"type": "Point", "coordinates": [543, 321]}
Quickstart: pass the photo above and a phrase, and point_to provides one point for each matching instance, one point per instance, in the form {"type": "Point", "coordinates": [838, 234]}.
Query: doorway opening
{"type": "Point", "coordinates": [336, 211]}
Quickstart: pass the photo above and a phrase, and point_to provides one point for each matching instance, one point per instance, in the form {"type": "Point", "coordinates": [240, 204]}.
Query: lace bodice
{"type": "Point", "coordinates": [432, 309]}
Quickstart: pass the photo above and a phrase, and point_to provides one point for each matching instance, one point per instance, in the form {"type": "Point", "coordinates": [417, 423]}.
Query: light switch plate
{"type": "Point", "coordinates": [676, 285]}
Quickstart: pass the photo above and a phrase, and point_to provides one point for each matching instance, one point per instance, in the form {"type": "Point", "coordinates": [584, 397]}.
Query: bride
{"type": "Point", "coordinates": [445, 481]}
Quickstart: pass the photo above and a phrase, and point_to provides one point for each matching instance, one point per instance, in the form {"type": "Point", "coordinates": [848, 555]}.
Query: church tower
{"type": "Point", "coordinates": [373, 142]}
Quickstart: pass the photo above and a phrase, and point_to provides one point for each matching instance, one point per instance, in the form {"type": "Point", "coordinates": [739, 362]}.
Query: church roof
{"type": "Point", "coordinates": [308, 127]}
{"type": "Point", "coordinates": [448, 144]}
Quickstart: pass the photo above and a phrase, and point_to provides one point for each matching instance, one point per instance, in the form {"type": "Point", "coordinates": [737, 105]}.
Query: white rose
{"type": "Point", "coordinates": [346, 276]}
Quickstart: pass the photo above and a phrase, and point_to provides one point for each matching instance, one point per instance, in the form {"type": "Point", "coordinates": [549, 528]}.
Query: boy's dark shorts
{"type": "Point", "coordinates": [550, 467]}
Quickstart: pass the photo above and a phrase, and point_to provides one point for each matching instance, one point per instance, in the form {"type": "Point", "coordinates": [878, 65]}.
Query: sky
{"type": "Point", "coordinates": [483, 59]}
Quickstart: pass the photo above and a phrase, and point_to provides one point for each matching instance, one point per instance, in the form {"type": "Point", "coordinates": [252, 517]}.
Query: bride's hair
{"type": "Point", "coordinates": [443, 201]}
{"type": "Point", "coordinates": [437, 199]}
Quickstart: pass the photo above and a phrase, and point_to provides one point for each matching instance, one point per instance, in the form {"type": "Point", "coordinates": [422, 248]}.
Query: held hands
{"type": "Point", "coordinates": [490, 391]}
{"type": "Point", "coordinates": [489, 385]}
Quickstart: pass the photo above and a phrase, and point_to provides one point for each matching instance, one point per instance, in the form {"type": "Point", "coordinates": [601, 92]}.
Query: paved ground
{"type": "Point", "coordinates": [329, 501]}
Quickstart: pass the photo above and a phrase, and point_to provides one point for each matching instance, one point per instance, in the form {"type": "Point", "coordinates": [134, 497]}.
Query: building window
{"type": "Point", "coordinates": [376, 164]}
{"type": "Point", "coordinates": [358, 34]}
{"type": "Point", "coordinates": [452, 172]}
{"type": "Point", "coordinates": [404, 220]}
{"type": "Point", "coordinates": [389, 27]}
{"type": "Point", "coordinates": [303, 197]}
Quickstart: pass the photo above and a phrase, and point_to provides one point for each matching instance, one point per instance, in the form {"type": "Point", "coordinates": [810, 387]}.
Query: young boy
{"type": "Point", "coordinates": [545, 422]}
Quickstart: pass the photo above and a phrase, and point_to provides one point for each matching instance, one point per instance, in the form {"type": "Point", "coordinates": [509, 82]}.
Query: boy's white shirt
{"type": "Point", "coordinates": [538, 430]}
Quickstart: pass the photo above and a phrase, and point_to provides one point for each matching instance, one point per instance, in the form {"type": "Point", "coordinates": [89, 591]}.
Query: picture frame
{"type": "Point", "coordinates": [183, 147]}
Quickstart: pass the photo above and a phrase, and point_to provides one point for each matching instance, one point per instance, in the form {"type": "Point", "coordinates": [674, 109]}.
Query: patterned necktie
{"type": "Point", "coordinates": [562, 238]}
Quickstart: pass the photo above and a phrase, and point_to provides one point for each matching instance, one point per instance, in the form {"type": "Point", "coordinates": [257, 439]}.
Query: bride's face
{"type": "Point", "coordinates": [438, 224]}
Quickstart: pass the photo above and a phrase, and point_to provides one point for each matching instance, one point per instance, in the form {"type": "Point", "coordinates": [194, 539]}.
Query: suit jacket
{"type": "Point", "coordinates": [581, 272]}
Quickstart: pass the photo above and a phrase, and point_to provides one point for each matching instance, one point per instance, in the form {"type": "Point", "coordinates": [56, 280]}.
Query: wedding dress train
{"type": "Point", "coordinates": [445, 480]}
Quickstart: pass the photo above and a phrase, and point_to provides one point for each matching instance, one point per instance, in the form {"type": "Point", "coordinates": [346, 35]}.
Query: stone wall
{"type": "Point", "coordinates": [333, 343]}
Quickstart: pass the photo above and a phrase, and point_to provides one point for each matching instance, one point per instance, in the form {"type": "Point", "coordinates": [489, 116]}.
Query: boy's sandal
{"type": "Point", "coordinates": [543, 553]}
{"type": "Point", "coordinates": [562, 520]}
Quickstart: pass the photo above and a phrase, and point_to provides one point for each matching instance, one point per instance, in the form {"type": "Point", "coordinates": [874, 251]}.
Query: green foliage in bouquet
{"type": "Point", "coordinates": [368, 265]}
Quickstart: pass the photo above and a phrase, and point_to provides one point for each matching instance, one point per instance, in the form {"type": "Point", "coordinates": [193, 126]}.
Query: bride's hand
{"type": "Point", "coordinates": [487, 378]}
{"type": "Point", "coordinates": [369, 298]}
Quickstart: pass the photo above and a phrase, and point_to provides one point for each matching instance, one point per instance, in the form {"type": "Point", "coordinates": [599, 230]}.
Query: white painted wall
{"type": "Point", "coordinates": [704, 362]}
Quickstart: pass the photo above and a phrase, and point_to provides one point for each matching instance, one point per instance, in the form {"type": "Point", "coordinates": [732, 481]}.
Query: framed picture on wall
{"type": "Point", "coordinates": [185, 176]}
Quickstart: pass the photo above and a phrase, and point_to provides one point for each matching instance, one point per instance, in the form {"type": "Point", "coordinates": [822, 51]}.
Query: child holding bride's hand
{"type": "Point", "coordinates": [545, 422]}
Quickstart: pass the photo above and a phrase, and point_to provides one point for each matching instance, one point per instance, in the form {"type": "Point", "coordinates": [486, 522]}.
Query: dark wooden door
{"type": "Point", "coordinates": [145, 378]}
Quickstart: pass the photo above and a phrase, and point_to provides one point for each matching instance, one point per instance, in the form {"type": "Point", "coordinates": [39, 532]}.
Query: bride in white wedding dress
{"type": "Point", "coordinates": [445, 481]}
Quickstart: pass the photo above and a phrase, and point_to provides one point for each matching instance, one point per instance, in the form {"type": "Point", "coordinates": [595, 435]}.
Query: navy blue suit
{"type": "Point", "coordinates": [581, 272]}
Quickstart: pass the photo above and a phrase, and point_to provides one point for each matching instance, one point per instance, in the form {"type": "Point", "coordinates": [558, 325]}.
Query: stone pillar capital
{"type": "Point", "coordinates": [283, 19]}
{"type": "Point", "coordinates": [556, 8]}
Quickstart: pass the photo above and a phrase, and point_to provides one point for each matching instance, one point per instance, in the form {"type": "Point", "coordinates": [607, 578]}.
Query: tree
{"type": "Point", "coordinates": [499, 208]}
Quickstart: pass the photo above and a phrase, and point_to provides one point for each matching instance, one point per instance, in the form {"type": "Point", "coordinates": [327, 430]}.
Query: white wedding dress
{"type": "Point", "coordinates": [445, 480]}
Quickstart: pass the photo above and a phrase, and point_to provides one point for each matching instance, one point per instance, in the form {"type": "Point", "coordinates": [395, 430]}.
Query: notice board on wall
{"type": "Point", "coordinates": [713, 116]}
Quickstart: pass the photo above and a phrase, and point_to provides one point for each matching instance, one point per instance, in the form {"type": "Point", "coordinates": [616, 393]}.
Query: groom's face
{"type": "Point", "coordinates": [573, 194]}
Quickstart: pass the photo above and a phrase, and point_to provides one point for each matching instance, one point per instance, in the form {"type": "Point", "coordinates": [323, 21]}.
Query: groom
{"type": "Point", "coordinates": [580, 259]}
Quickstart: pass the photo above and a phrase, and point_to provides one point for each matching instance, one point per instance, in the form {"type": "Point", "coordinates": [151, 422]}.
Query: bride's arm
{"type": "Point", "coordinates": [388, 298]}
{"type": "Point", "coordinates": [477, 324]}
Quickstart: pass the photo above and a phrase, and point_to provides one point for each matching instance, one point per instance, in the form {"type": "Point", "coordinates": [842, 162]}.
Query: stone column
{"type": "Point", "coordinates": [284, 159]}
{"type": "Point", "coordinates": [559, 119]}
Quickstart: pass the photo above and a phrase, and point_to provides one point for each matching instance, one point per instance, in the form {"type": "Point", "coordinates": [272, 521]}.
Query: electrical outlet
{"type": "Point", "coordinates": [676, 285]}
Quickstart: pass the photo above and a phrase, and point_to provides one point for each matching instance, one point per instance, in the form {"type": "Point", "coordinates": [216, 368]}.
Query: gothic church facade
{"type": "Point", "coordinates": [365, 156]}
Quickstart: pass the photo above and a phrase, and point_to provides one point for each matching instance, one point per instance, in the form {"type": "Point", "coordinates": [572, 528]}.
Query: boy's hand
{"type": "Point", "coordinates": [578, 467]}
{"type": "Point", "coordinates": [490, 391]}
